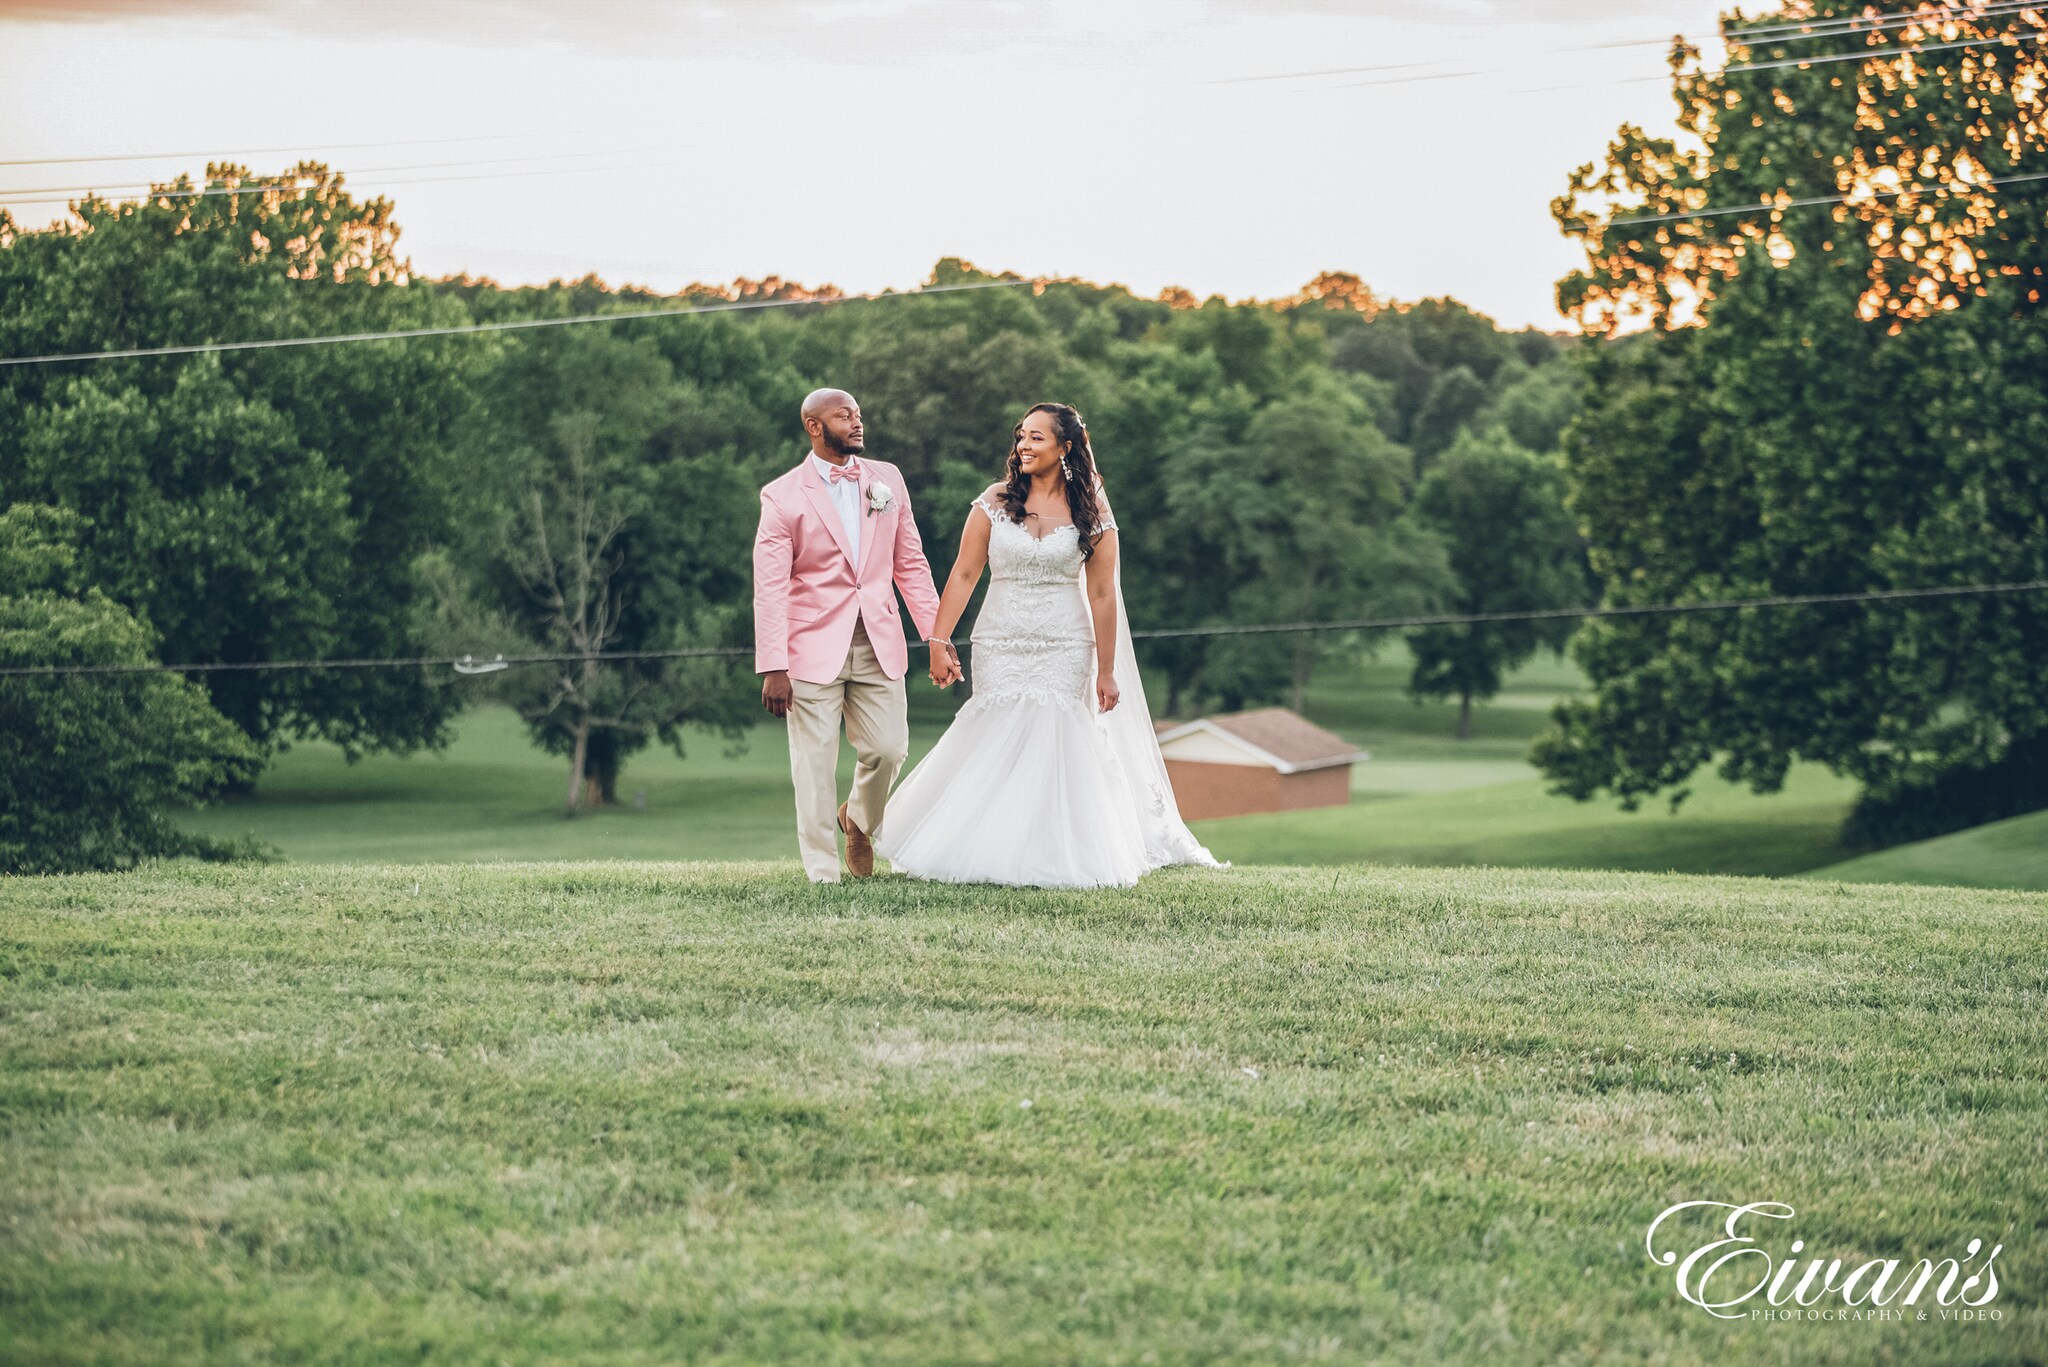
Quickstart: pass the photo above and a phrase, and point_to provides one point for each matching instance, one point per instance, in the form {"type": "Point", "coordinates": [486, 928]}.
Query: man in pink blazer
{"type": "Point", "coordinates": [835, 534]}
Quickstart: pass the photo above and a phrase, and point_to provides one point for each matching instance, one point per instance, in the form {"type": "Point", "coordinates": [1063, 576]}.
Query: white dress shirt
{"type": "Point", "coordinates": [845, 494]}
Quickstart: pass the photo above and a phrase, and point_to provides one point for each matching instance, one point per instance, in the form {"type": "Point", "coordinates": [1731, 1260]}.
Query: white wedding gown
{"type": "Point", "coordinates": [1032, 785]}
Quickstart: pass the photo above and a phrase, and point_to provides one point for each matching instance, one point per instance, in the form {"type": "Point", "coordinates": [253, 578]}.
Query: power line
{"type": "Point", "coordinates": [296, 190]}
{"type": "Point", "coordinates": [1811, 29]}
{"type": "Point", "coordinates": [1823, 59]}
{"type": "Point", "coordinates": [1864, 54]}
{"type": "Point", "coordinates": [1761, 206]}
{"type": "Point", "coordinates": [1798, 29]}
{"type": "Point", "coordinates": [259, 151]}
{"type": "Point", "coordinates": [1790, 31]}
{"type": "Point", "coordinates": [1766, 206]}
{"type": "Point", "coordinates": [466, 329]}
{"type": "Point", "coordinates": [1787, 32]}
{"type": "Point", "coordinates": [1624, 610]}
{"type": "Point", "coordinates": [151, 185]}
{"type": "Point", "coordinates": [1874, 53]}
{"type": "Point", "coordinates": [467, 663]}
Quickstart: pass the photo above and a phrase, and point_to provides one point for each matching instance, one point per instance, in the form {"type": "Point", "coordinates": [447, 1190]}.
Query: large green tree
{"type": "Point", "coordinates": [250, 505]}
{"type": "Point", "coordinates": [90, 762]}
{"type": "Point", "coordinates": [1834, 396]}
{"type": "Point", "coordinates": [611, 505]}
{"type": "Point", "coordinates": [1513, 548]}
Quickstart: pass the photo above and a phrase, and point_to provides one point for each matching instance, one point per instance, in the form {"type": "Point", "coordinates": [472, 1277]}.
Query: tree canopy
{"type": "Point", "coordinates": [1830, 396]}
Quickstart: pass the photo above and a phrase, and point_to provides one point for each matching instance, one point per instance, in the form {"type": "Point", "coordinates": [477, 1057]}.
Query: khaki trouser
{"type": "Point", "coordinates": [873, 708]}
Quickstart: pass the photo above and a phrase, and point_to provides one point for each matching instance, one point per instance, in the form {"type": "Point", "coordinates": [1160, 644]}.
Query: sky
{"type": "Point", "coordinates": [1152, 143]}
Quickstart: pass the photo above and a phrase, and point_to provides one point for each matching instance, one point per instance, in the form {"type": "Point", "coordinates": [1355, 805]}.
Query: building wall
{"type": "Point", "coordinates": [1203, 790]}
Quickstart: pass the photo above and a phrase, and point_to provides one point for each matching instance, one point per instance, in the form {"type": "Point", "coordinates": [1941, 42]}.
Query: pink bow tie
{"type": "Point", "coordinates": [850, 470]}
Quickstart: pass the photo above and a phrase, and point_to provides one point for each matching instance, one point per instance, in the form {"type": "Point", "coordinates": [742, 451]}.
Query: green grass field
{"type": "Point", "coordinates": [1720, 829]}
{"type": "Point", "coordinates": [654, 1113]}
{"type": "Point", "coordinates": [1424, 798]}
{"type": "Point", "coordinates": [2003, 854]}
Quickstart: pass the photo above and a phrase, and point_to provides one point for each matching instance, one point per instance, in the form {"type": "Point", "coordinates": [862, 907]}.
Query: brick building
{"type": "Point", "coordinates": [1267, 760]}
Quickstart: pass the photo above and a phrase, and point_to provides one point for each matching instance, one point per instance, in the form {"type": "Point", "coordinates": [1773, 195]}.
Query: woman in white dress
{"type": "Point", "coordinates": [1050, 776]}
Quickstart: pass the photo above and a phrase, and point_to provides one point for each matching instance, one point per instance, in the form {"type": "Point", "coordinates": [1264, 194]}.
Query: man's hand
{"type": "Point", "coordinates": [776, 692]}
{"type": "Point", "coordinates": [945, 663]}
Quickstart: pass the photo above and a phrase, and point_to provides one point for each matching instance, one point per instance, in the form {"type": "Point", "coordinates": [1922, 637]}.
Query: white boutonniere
{"type": "Point", "coordinates": [880, 497]}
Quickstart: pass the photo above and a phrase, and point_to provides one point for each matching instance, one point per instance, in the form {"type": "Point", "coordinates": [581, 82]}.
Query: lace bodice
{"type": "Point", "coordinates": [1034, 636]}
{"type": "Point", "coordinates": [1034, 583]}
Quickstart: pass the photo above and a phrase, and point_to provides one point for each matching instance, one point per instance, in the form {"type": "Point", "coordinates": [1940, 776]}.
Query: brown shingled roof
{"type": "Point", "coordinates": [1287, 736]}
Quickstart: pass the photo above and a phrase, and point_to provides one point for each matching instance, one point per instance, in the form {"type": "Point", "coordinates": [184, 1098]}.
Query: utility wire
{"type": "Point", "coordinates": [1801, 29]}
{"type": "Point", "coordinates": [467, 663]}
{"type": "Point", "coordinates": [1867, 54]}
{"type": "Point", "coordinates": [466, 329]}
{"type": "Point", "coordinates": [259, 151]}
{"type": "Point", "coordinates": [141, 186]}
{"type": "Point", "coordinates": [1846, 25]}
{"type": "Point", "coordinates": [1790, 29]}
{"type": "Point", "coordinates": [1818, 28]}
{"type": "Point", "coordinates": [291, 191]}
{"type": "Point", "coordinates": [1767, 206]}
{"type": "Point", "coordinates": [1624, 610]}
{"type": "Point", "coordinates": [1763, 206]}
{"type": "Point", "coordinates": [1640, 220]}
{"type": "Point", "coordinates": [41, 194]}
{"type": "Point", "coordinates": [1862, 54]}
{"type": "Point", "coordinates": [2009, 38]}
{"type": "Point", "coordinates": [1813, 29]}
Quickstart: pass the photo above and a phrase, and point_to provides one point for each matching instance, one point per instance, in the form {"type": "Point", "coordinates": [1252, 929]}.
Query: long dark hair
{"type": "Point", "coordinates": [1078, 466]}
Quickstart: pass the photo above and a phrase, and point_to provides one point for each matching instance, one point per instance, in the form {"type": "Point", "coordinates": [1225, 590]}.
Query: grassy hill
{"type": "Point", "coordinates": [1423, 798]}
{"type": "Point", "coordinates": [637, 1113]}
{"type": "Point", "coordinates": [1721, 828]}
{"type": "Point", "coordinates": [2004, 854]}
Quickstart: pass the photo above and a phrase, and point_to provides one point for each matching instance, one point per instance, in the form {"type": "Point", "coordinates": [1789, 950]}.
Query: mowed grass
{"type": "Point", "coordinates": [493, 795]}
{"type": "Point", "coordinates": [655, 1113]}
{"type": "Point", "coordinates": [2003, 854]}
{"type": "Point", "coordinates": [1424, 798]}
{"type": "Point", "coordinates": [1721, 828]}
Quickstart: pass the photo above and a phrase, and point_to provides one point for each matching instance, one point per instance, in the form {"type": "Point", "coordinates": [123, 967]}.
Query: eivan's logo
{"type": "Point", "coordinates": [1728, 1272]}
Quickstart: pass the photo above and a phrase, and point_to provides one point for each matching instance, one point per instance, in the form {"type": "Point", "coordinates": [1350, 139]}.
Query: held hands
{"type": "Point", "coordinates": [1106, 694]}
{"type": "Point", "coordinates": [946, 669]}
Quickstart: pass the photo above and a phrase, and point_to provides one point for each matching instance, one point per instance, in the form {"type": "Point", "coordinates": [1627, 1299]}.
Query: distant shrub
{"type": "Point", "coordinates": [89, 763]}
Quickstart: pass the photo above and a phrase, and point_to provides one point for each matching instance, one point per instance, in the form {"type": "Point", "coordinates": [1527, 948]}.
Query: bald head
{"type": "Point", "coordinates": [818, 400]}
{"type": "Point", "coordinates": [833, 423]}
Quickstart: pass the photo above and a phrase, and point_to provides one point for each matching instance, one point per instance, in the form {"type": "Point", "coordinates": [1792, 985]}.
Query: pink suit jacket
{"type": "Point", "coordinates": [808, 593]}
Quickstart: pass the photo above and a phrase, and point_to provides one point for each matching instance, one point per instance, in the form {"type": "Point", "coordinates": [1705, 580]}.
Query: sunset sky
{"type": "Point", "coordinates": [857, 141]}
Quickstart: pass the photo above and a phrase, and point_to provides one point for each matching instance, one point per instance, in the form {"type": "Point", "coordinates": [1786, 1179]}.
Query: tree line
{"type": "Point", "coordinates": [591, 488]}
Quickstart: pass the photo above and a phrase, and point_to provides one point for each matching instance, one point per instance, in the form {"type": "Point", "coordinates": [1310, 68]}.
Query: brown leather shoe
{"type": "Point", "coordinates": [860, 851]}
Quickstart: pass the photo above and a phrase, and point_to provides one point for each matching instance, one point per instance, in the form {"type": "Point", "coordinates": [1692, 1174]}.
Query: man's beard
{"type": "Point", "coordinates": [845, 446]}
